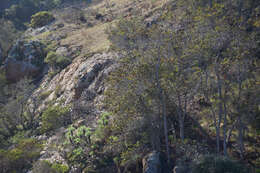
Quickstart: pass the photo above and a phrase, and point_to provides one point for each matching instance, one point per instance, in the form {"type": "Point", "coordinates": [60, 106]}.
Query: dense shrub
{"type": "Point", "coordinates": [42, 167]}
{"type": "Point", "coordinates": [62, 62]}
{"type": "Point", "coordinates": [86, 146]}
{"type": "Point", "coordinates": [45, 166]}
{"type": "Point", "coordinates": [21, 156]}
{"type": "Point", "coordinates": [78, 138]}
{"type": "Point", "coordinates": [21, 10]}
{"type": "Point", "coordinates": [218, 164]}
{"type": "Point", "coordinates": [10, 35]}
{"type": "Point", "coordinates": [60, 168]}
{"type": "Point", "coordinates": [41, 18]}
{"type": "Point", "coordinates": [44, 95]}
{"type": "Point", "coordinates": [51, 58]}
{"type": "Point", "coordinates": [54, 117]}
{"type": "Point", "coordinates": [56, 61]}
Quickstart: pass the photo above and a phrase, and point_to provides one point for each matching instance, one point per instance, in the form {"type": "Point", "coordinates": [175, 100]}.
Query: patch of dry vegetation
{"type": "Point", "coordinates": [92, 39]}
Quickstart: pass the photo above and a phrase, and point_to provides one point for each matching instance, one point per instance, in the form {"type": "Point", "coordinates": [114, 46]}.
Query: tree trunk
{"type": "Point", "coordinates": [240, 123]}
{"type": "Point", "coordinates": [181, 130]}
{"type": "Point", "coordinates": [210, 3]}
{"type": "Point", "coordinates": [218, 139]}
{"type": "Point", "coordinates": [220, 99]}
{"type": "Point", "coordinates": [240, 7]}
{"type": "Point", "coordinates": [165, 128]}
{"type": "Point", "coordinates": [180, 119]}
{"type": "Point", "coordinates": [225, 125]}
{"type": "Point", "coordinates": [240, 137]}
{"type": "Point", "coordinates": [162, 103]}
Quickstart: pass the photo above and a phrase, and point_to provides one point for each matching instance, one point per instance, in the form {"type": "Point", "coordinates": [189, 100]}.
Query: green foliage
{"type": "Point", "coordinates": [41, 19]}
{"type": "Point", "coordinates": [45, 94]}
{"type": "Point", "coordinates": [60, 168]}
{"type": "Point", "coordinates": [56, 61]}
{"type": "Point", "coordinates": [51, 58]}
{"type": "Point", "coordinates": [132, 154]}
{"type": "Point", "coordinates": [87, 145]}
{"type": "Point", "coordinates": [45, 166]}
{"type": "Point", "coordinates": [54, 117]}
{"type": "Point", "coordinates": [185, 55]}
{"type": "Point", "coordinates": [78, 138]}
{"type": "Point", "coordinates": [179, 65]}
{"type": "Point", "coordinates": [21, 11]}
{"type": "Point", "coordinates": [19, 136]}
{"type": "Point", "coordinates": [14, 113]}
{"type": "Point", "coordinates": [103, 121]}
{"type": "Point", "coordinates": [11, 34]}
{"type": "Point", "coordinates": [133, 93]}
{"type": "Point", "coordinates": [42, 167]}
{"type": "Point", "coordinates": [21, 157]}
{"type": "Point", "coordinates": [62, 61]}
{"type": "Point", "coordinates": [51, 74]}
{"type": "Point", "coordinates": [58, 91]}
{"type": "Point", "coordinates": [217, 164]}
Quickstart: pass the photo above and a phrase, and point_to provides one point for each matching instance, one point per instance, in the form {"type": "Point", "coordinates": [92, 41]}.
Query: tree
{"type": "Point", "coordinates": [226, 45]}
{"type": "Point", "coordinates": [13, 115]}
{"type": "Point", "coordinates": [138, 78]}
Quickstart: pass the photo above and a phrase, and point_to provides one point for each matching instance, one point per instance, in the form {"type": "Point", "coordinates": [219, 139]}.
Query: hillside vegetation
{"type": "Point", "coordinates": [117, 86]}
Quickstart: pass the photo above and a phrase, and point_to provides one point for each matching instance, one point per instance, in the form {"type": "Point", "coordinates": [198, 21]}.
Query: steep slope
{"type": "Point", "coordinates": [78, 33]}
{"type": "Point", "coordinates": [92, 103]}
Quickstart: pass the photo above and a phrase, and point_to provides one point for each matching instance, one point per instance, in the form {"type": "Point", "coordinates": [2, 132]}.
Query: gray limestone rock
{"type": "Point", "coordinates": [152, 163]}
{"type": "Point", "coordinates": [62, 51]}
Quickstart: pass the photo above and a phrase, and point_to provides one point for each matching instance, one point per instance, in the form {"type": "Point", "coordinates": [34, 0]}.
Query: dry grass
{"type": "Point", "coordinates": [92, 39]}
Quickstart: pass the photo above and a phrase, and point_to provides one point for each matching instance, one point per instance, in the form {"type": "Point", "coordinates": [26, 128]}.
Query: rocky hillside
{"type": "Point", "coordinates": [94, 88]}
{"type": "Point", "coordinates": [78, 33]}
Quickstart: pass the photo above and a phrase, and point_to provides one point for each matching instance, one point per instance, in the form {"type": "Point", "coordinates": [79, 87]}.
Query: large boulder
{"type": "Point", "coordinates": [152, 163]}
{"type": "Point", "coordinates": [24, 59]}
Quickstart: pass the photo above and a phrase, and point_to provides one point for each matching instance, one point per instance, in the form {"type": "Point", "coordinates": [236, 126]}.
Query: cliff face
{"type": "Point", "coordinates": [84, 77]}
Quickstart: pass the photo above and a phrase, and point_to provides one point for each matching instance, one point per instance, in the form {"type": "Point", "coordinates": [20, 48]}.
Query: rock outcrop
{"type": "Point", "coordinates": [62, 51]}
{"type": "Point", "coordinates": [82, 81]}
{"type": "Point", "coordinates": [24, 59]}
{"type": "Point", "coordinates": [85, 81]}
{"type": "Point", "coordinates": [152, 163]}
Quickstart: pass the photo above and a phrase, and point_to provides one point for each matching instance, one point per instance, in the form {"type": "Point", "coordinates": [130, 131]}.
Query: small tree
{"type": "Point", "coordinates": [41, 19]}
{"type": "Point", "coordinates": [56, 61]}
{"type": "Point", "coordinates": [54, 117]}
